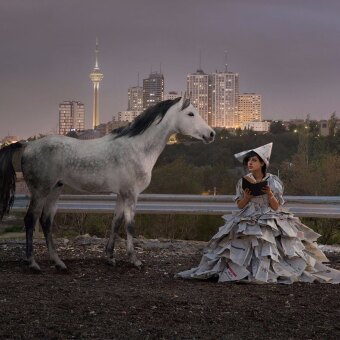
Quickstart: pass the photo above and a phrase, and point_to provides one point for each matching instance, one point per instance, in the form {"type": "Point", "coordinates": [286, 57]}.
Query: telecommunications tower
{"type": "Point", "coordinates": [96, 76]}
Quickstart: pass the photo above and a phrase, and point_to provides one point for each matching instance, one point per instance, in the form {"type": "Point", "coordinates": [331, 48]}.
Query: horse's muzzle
{"type": "Point", "coordinates": [209, 138]}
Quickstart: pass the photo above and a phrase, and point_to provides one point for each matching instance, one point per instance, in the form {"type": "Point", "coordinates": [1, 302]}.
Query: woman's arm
{"type": "Point", "coordinates": [273, 202]}
{"type": "Point", "coordinates": [241, 203]}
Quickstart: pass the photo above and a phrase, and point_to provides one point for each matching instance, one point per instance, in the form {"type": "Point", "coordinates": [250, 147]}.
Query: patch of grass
{"type": "Point", "coordinates": [184, 227]}
{"type": "Point", "coordinates": [12, 223]}
{"type": "Point", "coordinates": [14, 229]}
{"type": "Point", "coordinates": [328, 228]}
{"type": "Point", "coordinates": [70, 224]}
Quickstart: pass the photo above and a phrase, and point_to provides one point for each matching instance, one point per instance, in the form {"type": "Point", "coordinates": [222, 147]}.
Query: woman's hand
{"type": "Point", "coordinates": [247, 196]}
{"type": "Point", "coordinates": [267, 191]}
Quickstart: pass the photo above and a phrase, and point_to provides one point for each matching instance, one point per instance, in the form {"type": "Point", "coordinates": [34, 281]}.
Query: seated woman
{"type": "Point", "coordinates": [262, 242]}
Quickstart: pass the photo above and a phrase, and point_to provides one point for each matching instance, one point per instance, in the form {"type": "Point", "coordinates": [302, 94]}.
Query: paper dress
{"type": "Point", "coordinates": [258, 244]}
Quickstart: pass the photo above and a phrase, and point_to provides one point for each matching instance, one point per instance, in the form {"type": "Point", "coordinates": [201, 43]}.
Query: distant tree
{"type": "Point", "coordinates": [277, 127]}
{"type": "Point", "coordinates": [293, 127]}
{"type": "Point", "coordinates": [184, 139]}
{"type": "Point", "coordinates": [315, 168]}
{"type": "Point", "coordinates": [72, 134]}
{"type": "Point", "coordinates": [4, 144]}
{"type": "Point", "coordinates": [238, 132]}
{"type": "Point", "coordinates": [220, 179]}
{"type": "Point", "coordinates": [199, 167]}
{"type": "Point", "coordinates": [222, 134]}
{"type": "Point", "coordinates": [226, 145]}
{"type": "Point", "coordinates": [314, 128]}
{"type": "Point", "coordinates": [318, 177]}
{"type": "Point", "coordinates": [178, 177]}
{"type": "Point", "coordinates": [332, 124]}
{"type": "Point", "coordinates": [32, 138]}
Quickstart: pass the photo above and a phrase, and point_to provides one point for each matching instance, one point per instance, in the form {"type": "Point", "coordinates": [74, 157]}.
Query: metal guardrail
{"type": "Point", "coordinates": [301, 206]}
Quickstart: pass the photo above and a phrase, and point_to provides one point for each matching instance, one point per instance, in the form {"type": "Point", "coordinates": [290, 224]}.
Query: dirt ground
{"type": "Point", "coordinates": [95, 301]}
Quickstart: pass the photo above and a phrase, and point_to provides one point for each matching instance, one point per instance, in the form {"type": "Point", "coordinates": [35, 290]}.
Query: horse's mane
{"type": "Point", "coordinates": [145, 119]}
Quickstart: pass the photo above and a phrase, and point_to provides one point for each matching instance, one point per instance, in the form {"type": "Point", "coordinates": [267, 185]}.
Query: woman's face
{"type": "Point", "coordinates": [254, 164]}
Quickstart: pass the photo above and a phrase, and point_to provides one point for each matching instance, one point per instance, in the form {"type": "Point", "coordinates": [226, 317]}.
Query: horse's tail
{"type": "Point", "coordinates": [7, 177]}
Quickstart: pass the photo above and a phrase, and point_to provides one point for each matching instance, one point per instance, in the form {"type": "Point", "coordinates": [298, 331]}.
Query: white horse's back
{"type": "Point", "coordinates": [81, 164]}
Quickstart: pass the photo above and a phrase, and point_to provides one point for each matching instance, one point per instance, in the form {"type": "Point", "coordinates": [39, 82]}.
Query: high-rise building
{"type": "Point", "coordinates": [198, 92]}
{"type": "Point", "coordinates": [171, 95]}
{"type": "Point", "coordinates": [71, 117]}
{"type": "Point", "coordinates": [96, 77]}
{"type": "Point", "coordinates": [135, 98]}
{"type": "Point", "coordinates": [125, 116]}
{"type": "Point", "coordinates": [153, 89]}
{"type": "Point", "coordinates": [224, 99]}
{"type": "Point", "coordinates": [249, 108]}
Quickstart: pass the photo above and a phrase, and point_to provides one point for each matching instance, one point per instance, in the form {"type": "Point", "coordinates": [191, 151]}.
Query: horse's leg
{"type": "Point", "coordinates": [46, 221]}
{"type": "Point", "coordinates": [116, 223]}
{"type": "Point", "coordinates": [129, 214]}
{"type": "Point", "coordinates": [31, 218]}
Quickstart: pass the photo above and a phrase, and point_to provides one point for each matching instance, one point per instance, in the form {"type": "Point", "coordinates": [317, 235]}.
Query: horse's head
{"type": "Point", "coordinates": [189, 122]}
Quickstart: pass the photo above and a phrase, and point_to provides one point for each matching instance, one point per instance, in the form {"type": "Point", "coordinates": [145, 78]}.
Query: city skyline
{"type": "Point", "coordinates": [288, 52]}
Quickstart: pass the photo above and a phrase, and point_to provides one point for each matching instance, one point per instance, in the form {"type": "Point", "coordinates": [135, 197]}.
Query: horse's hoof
{"type": "Point", "coordinates": [61, 267]}
{"type": "Point", "coordinates": [34, 267]}
{"type": "Point", "coordinates": [138, 264]}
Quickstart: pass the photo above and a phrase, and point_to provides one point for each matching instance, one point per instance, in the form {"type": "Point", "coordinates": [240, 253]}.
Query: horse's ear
{"type": "Point", "coordinates": [185, 103]}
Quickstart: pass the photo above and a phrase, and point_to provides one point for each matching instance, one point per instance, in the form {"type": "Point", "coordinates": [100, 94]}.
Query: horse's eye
{"type": "Point", "coordinates": [190, 114]}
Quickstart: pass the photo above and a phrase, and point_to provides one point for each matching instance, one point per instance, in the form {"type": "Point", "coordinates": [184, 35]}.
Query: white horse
{"type": "Point", "coordinates": [120, 163]}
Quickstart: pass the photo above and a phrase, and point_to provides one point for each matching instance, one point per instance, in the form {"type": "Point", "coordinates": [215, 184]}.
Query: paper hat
{"type": "Point", "coordinates": [263, 151]}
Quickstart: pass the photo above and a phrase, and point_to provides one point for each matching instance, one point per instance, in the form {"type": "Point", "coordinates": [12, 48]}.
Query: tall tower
{"type": "Point", "coordinates": [96, 76]}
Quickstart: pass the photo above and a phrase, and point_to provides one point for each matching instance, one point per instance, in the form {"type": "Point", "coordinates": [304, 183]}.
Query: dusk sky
{"type": "Point", "coordinates": [288, 51]}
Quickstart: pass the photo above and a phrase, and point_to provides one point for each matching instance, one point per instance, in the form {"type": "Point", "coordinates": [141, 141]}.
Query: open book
{"type": "Point", "coordinates": [255, 188]}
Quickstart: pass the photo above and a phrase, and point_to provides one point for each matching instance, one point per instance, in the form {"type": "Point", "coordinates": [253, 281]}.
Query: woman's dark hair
{"type": "Point", "coordinates": [252, 154]}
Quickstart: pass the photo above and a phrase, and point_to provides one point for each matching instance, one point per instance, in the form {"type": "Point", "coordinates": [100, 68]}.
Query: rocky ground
{"type": "Point", "coordinates": [95, 301]}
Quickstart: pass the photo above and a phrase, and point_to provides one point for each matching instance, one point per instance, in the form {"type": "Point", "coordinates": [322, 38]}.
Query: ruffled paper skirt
{"type": "Point", "coordinates": [263, 247]}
